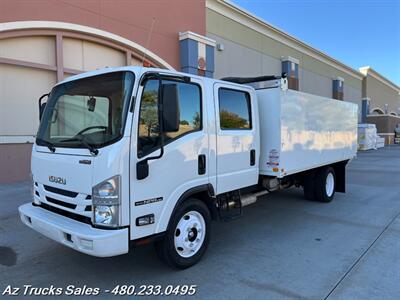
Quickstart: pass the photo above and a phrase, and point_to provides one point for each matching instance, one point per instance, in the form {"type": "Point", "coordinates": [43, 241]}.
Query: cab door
{"type": "Point", "coordinates": [184, 162]}
{"type": "Point", "coordinates": [237, 137]}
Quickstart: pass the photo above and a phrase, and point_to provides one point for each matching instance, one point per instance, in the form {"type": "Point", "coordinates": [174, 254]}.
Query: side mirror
{"type": "Point", "coordinates": [42, 106]}
{"type": "Point", "coordinates": [170, 103]}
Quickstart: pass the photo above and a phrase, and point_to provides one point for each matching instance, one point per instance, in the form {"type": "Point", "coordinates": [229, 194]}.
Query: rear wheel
{"type": "Point", "coordinates": [325, 184]}
{"type": "Point", "coordinates": [187, 237]}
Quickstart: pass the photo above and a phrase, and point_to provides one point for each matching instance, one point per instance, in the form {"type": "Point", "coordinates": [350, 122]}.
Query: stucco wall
{"type": "Point", "coordinates": [385, 125]}
{"type": "Point", "coordinates": [248, 52]}
{"type": "Point", "coordinates": [381, 94]}
{"type": "Point", "coordinates": [15, 162]}
{"type": "Point", "coordinates": [129, 19]}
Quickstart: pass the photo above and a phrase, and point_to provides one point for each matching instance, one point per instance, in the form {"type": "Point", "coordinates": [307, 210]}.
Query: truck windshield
{"type": "Point", "coordinates": [86, 113]}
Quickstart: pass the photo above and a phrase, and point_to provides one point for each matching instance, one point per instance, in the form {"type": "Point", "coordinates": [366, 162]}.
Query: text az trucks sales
{"type": "Point", "coordinates": [128, 156]}
{"type": "Point", "coordinates": [70, 290]}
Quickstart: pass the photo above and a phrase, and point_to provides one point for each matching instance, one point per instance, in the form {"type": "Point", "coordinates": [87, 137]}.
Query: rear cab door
{"type": "Point", "coordinates": [237, 136]}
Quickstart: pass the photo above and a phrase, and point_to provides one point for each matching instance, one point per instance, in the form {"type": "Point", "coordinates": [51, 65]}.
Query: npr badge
{"type": "Point", "coordinates": [148, 201]}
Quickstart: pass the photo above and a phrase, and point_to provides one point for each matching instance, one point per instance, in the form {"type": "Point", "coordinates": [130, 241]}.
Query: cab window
{"type": "Point", "coordinates": [190, 115]}
{"type": "Point", "coordinates": [234, 109]}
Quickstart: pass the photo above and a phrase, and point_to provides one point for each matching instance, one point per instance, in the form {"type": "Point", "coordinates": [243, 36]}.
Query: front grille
{"type": "Point", "coordinates": [61, 203]}
{"type": "Point", "coordinates": [60, 191]}
{"type": "Point", "coordinates": [70, 203]}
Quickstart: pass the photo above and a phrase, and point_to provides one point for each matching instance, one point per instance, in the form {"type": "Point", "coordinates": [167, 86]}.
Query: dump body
{"type": "Point", "coordinates": [300, 131]}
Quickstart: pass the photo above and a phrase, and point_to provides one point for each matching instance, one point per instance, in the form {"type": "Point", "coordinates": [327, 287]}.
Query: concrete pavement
{"type": "Point", "coordinates": [284, 247]}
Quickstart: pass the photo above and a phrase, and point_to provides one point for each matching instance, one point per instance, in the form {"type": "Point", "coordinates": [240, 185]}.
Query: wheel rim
{"type": "Point", "coordinates": [189, 234]}
{"type": "Point", "coordinates": [330, 184]}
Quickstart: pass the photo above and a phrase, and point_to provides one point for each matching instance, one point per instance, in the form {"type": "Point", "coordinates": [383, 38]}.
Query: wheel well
{"type": "Point", "coordinates": [205, 193]}
{"type": "Point", "coordinates": [209, 201]}
{"type": "Point", "coordinates": [340, 175]}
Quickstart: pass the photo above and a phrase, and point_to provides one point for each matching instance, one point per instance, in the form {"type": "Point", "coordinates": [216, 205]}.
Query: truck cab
{"type": "Point", "coordinates": [131, 155]}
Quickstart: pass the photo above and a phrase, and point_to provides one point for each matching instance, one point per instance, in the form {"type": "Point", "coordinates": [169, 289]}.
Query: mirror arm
{"type": "Point", "coordinates": [41, 98]}
{"type": "Point", "coordinates": [40, 104]}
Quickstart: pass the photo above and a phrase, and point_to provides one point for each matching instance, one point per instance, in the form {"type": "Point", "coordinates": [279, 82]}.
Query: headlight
{"type": "Point", "coordinates": [106, 202]}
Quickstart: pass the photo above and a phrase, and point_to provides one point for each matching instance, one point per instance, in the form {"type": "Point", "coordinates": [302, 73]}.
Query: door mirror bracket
{"type": "Point", "coordinates": [42, 106]}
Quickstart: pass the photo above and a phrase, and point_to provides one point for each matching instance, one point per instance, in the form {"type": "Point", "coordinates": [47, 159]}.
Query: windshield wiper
{"type": "Point", "coordinates": [80, 138]}
{"type": "Point", "coordinates": [42, 142]}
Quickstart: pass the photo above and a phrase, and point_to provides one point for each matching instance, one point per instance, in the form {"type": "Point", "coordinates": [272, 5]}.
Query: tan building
{"type": "Point", "coordinates": [44, 41]}
{"type": "Point", "coordinates": [249, 46]}
{"type": "Point", "coordinates": [384, 102]}
{"type": "Point", "coordinates": [383, 94]}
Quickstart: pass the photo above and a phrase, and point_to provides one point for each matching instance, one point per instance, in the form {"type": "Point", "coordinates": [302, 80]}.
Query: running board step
{"type": "Point", "coordinates": [251, 198]}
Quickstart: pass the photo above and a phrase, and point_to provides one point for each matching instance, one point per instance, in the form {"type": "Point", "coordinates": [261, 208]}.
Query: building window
{"type": "Point", "coordinates": [290, 66]}
{"type": "Point", "coordinates": [337, 88]}
{"type": "Point", "coordinates": [234, 109]}
{"type": "Point", "coordinates": [190, 115]}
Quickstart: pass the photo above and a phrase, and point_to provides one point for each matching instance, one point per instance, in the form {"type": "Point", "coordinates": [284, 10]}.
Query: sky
{"type": "Point", "coordinates": [356, 32]}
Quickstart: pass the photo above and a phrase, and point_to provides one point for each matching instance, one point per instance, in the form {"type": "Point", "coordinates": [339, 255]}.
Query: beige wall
{"type": "Point", "coordinates": [249, 51]}
{"type": "Point", "coordinates": [86, 56]}
{"type": "Point", "coordinates": [37, 49]}
{"type": "Point", "coordinates": [20, 89]}
{"type": "Point", "coordinates": [381, 94]}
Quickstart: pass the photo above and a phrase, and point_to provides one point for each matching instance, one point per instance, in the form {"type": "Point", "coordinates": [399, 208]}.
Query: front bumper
{"type": "Point", "coordinates": [76, 235]}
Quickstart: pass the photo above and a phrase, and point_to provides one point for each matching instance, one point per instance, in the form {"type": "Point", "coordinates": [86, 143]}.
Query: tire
{"type": "Point", "coordinates": [188, 235]}
{"type": "Point", "coordinates": [309, 187]}
{"type": "Point", "coordinates": [325, 184]}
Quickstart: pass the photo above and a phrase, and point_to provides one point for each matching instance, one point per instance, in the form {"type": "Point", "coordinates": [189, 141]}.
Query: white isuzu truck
{"type": "Point", "coordinates": [131, 155]}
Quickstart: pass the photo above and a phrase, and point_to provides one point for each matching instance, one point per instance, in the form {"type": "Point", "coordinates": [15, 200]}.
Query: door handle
{"type": "Point", "coordinates": [202, 164]}
{"type": "Point", "coordinates": [252, 157]}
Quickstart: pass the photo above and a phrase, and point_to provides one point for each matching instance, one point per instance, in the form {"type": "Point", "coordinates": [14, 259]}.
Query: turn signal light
{"type": "Point", "coordinates": [145, 220]}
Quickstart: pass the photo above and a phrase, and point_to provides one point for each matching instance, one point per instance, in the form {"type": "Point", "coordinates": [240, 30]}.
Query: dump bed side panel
{"type": "Point", "coordinates": [314, 131]}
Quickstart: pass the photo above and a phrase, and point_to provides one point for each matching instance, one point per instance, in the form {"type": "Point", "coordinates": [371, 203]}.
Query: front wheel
{"type": "Point", "coordinates": [188, 235]}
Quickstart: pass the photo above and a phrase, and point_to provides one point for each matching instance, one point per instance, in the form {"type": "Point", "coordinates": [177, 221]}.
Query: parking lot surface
{"type": "Point", "coordinates": [284, 247]}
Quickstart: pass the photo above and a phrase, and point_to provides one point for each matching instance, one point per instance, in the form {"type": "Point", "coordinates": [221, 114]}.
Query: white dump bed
{"type": "Point", "coordinates": [300, 131]}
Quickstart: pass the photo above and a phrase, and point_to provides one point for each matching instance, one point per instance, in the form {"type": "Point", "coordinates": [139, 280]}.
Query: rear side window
{"type": "Point", "coordinates": [234, 109]}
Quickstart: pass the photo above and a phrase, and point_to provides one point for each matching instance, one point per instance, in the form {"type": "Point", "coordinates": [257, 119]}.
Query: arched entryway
{"type": "Point", "coordinates": [34, 55]}
{"type": "Point", "coordinates": [377, 111]}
